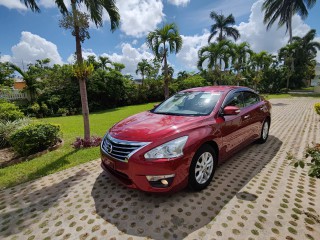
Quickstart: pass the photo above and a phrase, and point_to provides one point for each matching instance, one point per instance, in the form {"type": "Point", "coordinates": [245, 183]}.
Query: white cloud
{"type": "Point", "coordinates": [5, 58]}
{"type": "Point", "coordinates": [254, 31]}
{"type": "Point", "coordinates": [47, 3]}
{"type": "Point", "coordinates": [31, 48]}
{"type": "Point", "coordinates": [130, 57]}
{"type": "Point", "coordinates": [179, 2]}
{"type": "Point", "coordinates": [85, 54]}
{"type": "Point", "coordinates": [138, 17]}
{"type": "Point", "coordinates": [188, 55]}
{"type": "Point", "coordinates": [13, 4]}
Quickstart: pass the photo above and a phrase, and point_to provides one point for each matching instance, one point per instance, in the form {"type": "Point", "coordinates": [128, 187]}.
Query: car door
{"type": "Point", "coordinates": [234, 132]}
{"type": "Point", "coordinates": [253, 108]}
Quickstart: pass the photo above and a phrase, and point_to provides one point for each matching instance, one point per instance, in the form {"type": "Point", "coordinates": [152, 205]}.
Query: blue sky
{"type": "Point", "coordinates": [27, 36]}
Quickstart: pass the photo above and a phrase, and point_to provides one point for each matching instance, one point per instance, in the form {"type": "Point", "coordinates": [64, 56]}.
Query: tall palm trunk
{"type": "Point", "coordinates": [166, 78]}
{"type": "Point", "coordinates": [82, 80]}
{"type": "Point", "coordinates": [290, 41]}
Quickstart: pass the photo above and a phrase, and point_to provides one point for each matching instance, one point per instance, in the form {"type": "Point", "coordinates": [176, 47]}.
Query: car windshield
{"type": "Point", "coordinates": [189, 104]}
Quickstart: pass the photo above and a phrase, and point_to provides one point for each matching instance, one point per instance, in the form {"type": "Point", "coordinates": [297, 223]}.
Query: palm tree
{"type": "Point", "coordinates": [30, 78]}
{"type": "Point", "coordinates": [161, 42]}
{"type": "Point", "coordinates": [300, 53]}
{"type": "Point", "coordinates": [104, 61]}
{"type": "Point", "coordinates": [284, 11]}
{"type": "Point", "coordinates": [183, 75]}
{"type": "Point", "coordinates": [95, 9]}
{"type": "Point", "coordinates": [144, 68]}
{"type": "Point", "coordinates": [241, 53]}
{"type": "Point", "coordinates": [308, 47]}
{"type": "Point", "coordinates": [222, 27]}
{"type": "Point", "coordinates": [214, 53]}
{"type": "Point", "coordinates": [259, 62]}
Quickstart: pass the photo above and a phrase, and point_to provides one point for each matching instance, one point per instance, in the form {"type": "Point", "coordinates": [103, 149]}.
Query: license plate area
{"type": "Point", "coordinates": [110, 163]}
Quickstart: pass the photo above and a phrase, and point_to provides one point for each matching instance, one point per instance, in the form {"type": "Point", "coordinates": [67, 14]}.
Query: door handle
{"type": "Point", "coordinates": [246, 116]}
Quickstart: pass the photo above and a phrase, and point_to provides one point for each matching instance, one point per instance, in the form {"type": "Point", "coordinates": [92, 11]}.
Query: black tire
{"type": "Point", "coordinates": [193, 182]}
{"type": "Point", "coordinates": [263, 137]}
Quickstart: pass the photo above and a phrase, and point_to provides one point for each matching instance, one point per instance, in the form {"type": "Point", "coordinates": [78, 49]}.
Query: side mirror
{"type": "Point", "coordinates": [231, 110]}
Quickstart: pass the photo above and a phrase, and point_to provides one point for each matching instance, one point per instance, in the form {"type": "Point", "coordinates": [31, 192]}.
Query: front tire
{"type": "Point", "coordinates": [202, 167]}
{"type": "Point", "coordinates": [264, 132]}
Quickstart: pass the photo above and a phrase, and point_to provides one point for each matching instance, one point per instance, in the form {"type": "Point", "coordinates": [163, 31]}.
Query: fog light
{"type": "Point", "coordinates": [164, 182]}
{"type": "Point", "coordinates": [159, 177]}
{"type": "Point", "coordinates": [160, 181]}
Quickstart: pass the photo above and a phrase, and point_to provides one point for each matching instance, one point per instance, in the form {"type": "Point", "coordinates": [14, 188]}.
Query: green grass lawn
{"type": "Point", "coordinates": [66, 157]}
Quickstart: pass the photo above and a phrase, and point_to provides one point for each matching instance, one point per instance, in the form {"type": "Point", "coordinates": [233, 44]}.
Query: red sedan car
{"type": "Point", "coordinates": [182, 140]}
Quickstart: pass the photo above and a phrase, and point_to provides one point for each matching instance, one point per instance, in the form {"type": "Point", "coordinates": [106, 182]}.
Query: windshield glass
{"type": "Point", "coordinates": [189, 103]}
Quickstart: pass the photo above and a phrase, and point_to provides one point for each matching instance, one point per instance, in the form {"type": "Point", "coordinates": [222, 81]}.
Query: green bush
{"type": "Point", "coordinates": [34, 138]}
{"type": "Point", "coordinates": [9, 112]}
{"type": "Point", "coordinates": [317, 108]}
{"type": "Point", "coordinates": [311, 159]}
{"type": "Point", "coordinates": [8, 127]}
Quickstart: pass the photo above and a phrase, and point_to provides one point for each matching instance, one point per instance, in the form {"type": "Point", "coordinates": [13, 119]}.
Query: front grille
{"type": "Point", "coordinates": [120, 149]}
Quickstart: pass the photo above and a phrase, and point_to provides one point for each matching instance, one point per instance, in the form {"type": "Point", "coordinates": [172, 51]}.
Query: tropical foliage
{"type": "Point", "coordinates": [78, 23]}
{"type": "Point", "coordinates": [163, 41]}
{"type": "Point", "coordinates": [223, 27]}
{"type": "Point", "coordinates": [34, 138]}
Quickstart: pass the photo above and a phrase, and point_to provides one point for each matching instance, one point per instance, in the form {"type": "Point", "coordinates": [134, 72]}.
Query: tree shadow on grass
{"type": "Point", "coordinates": [28, 203]}
{"type": "Point", "coordinates": [177, 215]}
{"type": "Point", "coordinates": [52, 167]}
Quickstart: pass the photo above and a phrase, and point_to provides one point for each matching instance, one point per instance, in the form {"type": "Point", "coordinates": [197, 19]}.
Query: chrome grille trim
{"type": "Point", "coordinates": [121, 150]}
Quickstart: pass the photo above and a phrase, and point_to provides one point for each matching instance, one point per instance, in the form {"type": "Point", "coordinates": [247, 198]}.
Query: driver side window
{"type": "Point", "coordinates": [235, 99]}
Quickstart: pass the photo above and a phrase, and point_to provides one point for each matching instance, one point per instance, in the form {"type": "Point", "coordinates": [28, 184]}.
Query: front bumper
{"type": "Point", "coordinates": [133, 173]}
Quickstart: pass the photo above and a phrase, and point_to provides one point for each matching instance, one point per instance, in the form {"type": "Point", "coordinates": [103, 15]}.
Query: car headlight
{"type": "Point", "coordinates": [170, 149]}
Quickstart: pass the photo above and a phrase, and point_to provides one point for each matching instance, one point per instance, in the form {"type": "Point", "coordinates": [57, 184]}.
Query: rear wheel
{"type": "Point", "coordinates": [202, 168]}
{"type": "Point", "coordinates": [264, 132]}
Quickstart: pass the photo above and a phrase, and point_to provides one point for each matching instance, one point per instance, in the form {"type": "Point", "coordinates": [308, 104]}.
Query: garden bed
{"type": "Point", "coordinates": [8, 157]}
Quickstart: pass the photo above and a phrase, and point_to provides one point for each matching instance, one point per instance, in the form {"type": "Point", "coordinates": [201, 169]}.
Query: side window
{"type": "Point", "coordinates": [235, 100]}
{"type": "Point", "coordinates": [250, 98]}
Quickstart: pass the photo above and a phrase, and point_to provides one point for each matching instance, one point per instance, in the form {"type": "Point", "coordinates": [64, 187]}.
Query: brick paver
{"type": "Point", "coordinates": [254, 195]}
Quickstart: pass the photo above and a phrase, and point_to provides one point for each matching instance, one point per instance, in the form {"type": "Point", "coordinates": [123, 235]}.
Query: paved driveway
{"type": "Point", "coordinates": [254, 195]}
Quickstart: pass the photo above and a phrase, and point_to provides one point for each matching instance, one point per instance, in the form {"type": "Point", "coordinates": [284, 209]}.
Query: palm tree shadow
{"type": "Point", "coordinates": [177, 215]}
{"type": "Point", "coordinates": [56, 164]}
{"type": "Point", "coordinates": [35, 202]}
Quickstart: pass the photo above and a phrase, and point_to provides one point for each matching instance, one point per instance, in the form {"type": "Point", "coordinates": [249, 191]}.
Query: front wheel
{"type": "Point", "coordinates": [264, 132]}
{"type": "Point", "coordinates": [202, 168]}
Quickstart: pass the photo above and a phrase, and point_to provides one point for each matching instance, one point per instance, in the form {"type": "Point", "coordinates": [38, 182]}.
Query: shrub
{"type": "Point", "coordinates": [317, 108]}
{"type": "Point", "coordinates": [34, 109]}
{"type": "Point", "coordinates": [34, 138]}
{"type": "Point", "coordinates": [9, 112]}
{"type": "Point", "coordinates": [312, 160]}
{"type": "Point", "coordinates": [81, 143]}
{"type": "Point", "coordinates": [62, 111]}
{"type": "Point", "coordinates": [8, 127]}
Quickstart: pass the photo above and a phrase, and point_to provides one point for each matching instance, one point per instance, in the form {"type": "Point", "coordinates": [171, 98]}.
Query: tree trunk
{"type": "Point", "coordinates": [82, 80]}
{"type": "Point", "coordinates": [166, 79]}
{"type": "Point", "coordinates": [290, 41]}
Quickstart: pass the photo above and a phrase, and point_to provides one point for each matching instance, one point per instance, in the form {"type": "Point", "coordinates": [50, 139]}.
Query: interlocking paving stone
{"type": "Point", "coordinates": [254, 195]}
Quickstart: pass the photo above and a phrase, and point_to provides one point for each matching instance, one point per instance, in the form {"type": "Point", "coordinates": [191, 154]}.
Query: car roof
{"type": "Point", "coordinates": [216, 89]}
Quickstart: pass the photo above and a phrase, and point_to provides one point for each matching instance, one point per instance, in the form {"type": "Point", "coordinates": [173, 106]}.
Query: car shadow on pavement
{"type": "Point", "coordinates": [177, 215]}
{"type": "Point", "coordinates": [32, 200]}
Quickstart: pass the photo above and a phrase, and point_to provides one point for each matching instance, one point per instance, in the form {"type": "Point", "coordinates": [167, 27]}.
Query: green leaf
{"type": "Point", "coordinates": [301, 164]}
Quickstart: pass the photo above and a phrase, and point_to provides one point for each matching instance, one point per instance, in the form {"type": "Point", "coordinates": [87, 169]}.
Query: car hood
{"type": "Point", "coordinates": [147, 126]}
